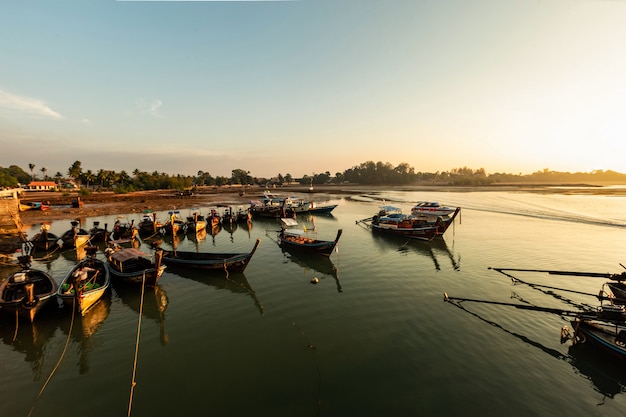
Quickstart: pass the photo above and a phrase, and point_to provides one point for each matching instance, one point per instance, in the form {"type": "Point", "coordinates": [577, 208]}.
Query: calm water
{"type": "Point", "coordinates": [372, 338]}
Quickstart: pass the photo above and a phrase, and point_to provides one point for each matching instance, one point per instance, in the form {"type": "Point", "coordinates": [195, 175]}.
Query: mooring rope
{"type": "Point", "coordinates": [134, 382]}
{"type": "Point", "coordinates": [67, 342]}
{"type": "Point", "coordinates": [17, 320]}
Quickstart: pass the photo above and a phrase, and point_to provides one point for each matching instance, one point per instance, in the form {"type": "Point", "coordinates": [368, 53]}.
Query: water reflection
{"type": "Point", "coordinates": [604, 373]}
{"type": "Point", "coordinates": [30, 339]}
{"type": "Point", "coordinates": [235, 282]}
{"type": "Point", "coordinates": [429, 249]}
{"type": "Point", "coordinates": [83, 328]}
{"type": "Point", "coordinates": [155, 303]}
{"type": "Point", "coordinates": [320, 264]}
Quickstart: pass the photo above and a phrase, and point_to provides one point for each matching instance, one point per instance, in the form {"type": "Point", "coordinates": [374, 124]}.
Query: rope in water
{"type": "Point", "coordinates": [67, 342]}
{"type": "Point", "coordinates": [134, 382]}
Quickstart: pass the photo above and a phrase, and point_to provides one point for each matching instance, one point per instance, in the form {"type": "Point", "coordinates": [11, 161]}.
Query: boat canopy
{"type": "Point", "coordinates": [126, 254]}
{"type": "Point", "coordinates": [288, 222]}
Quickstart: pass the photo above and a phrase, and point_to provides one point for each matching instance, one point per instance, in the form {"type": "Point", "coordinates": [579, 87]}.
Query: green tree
{"type": "Point", "coordinates": [75, 171]}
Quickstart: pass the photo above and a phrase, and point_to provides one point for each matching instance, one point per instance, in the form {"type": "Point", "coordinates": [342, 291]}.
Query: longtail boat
{"type": "Point", "coordinates": [134, 266]}
{"type": "Point", "coordinates": [296, 239]}
{"type": "Point", "coordinates": [26, 292]}
{"type": "Point", "coordinates": [85, 284]}
{"type": "Point", "coordinates": [391, 221]}
{"type": "Point", "coordinates": [604, 326]}
{"type": "Point", "coordinates": [229, 262]}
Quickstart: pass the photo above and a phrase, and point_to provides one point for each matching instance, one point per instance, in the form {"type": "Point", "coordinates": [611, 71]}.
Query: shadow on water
{"type": "Point", "coordinates": [313, 262]}
{"type": "Point", "coordinates": [605, 374]}
{"type": "Point", "coordinates": [30, 339]}
{"type": "Point", "coordinates": [155, 303]}
{"type": "Point", "coordinates": [234, 282]}
{"type": "Point", "coordinates": [434, 249]}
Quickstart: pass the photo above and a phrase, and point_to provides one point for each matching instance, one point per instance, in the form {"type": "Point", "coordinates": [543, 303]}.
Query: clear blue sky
{"type": "Point", "coordinates": [304, 87]}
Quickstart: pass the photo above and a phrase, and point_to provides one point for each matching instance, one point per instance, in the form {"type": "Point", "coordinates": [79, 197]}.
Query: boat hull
{"type": "Point", "coordinates": [87, 298]}
{"type": "Point", "coordinates": [15, 290]}
{"type": "Point", "coordinates": [229, 262]}
{"type": "Point", "coordinates": [414, 229]}
{"type": "Point", "coordinates": [294, 242]}
{"type": "Point", "coordinates": [131, 265]}
{"type": "Point", "coordinates": [609, 336]}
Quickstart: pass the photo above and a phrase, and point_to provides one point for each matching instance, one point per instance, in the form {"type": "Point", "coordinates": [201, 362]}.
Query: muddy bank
{"type": "Point", "coordinates": [108, 203]}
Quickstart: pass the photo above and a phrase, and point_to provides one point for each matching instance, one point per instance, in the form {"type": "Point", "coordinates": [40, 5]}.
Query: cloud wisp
{"type": "Point", "coordinates": [26, 105]}
{"type": "Point", "coordinates": [149, 107]}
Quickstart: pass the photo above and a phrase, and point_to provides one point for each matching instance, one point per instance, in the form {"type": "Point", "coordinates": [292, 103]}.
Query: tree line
{"type": "Point", "coordinates": [366, 173]}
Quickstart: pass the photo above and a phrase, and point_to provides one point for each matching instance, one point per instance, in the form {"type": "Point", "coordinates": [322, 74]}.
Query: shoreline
{"type": "Point", "coordinates": [108, 203]}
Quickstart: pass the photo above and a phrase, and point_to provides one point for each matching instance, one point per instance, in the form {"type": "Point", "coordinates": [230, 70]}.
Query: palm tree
{"type": "Point", "coordinates": [44, 170]}
{"type": "Point", "coordinates": [32, 175]}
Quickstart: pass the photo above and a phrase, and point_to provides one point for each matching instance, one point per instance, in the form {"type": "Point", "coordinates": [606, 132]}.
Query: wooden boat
{"type": "Point", "coordinates": [605, 325]}
{"type": "Point", "coordinates": [98, 234]}
{"type": "Point", "coordinates": [196, 223]}
{"type": "Point", "coordinates": [607, 335]}
{"type": "Point", "coordinates": [296, 239]}
{"type": "Point", "coordinates": [228, 217]}
{"type": "Point", "coordinates": [149, 226]}
{"type": "Point", "coordinates": [74, 237]}
{"type": "Point", "coordinates": [135, 266]}
{"type": "Point", "coordinates": [91, 277]}
{"type": "Point", "coordinates": [243, 215]}
{"type": "Point", "coordinates": [398, 224]}
{"type": "Point", "coordinates": [124, 229]}
{"type": "Point", "coordinates": [33, 205]}
{"type": "Point", "coordinates": [44, 240]}
{"type": "Point", "coordinates": [229, 262]}
{"type": "Point", "coordinates": [214, 218]}
{"type": "Point", "coordinates": [26, 292]}
{"type": "Point", "coordinates": [174, 225]}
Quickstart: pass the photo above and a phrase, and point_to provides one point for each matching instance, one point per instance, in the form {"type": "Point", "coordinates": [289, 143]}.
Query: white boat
{"type": "Point", "coordinates": [431, 208]}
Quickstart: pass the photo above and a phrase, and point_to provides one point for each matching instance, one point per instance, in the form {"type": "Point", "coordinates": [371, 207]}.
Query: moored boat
{"type": "Point", "coordinates": [196, 223]}
{"type": "Point", "coordinates": [174, 225]}
{"type": "Point", "coordinates": [75, 237]}
{"type": "Point", "coordinates": [26, 292]}
{"type": "Point", "coordinates": [45, 240]}
{"type": "Point", "coordinates": [296, 239]}
{"type": "Point", "coordinates": [390, 220]}
{"type": "Point", "coordinates": [99, 234]}
{"type": "Point", "coordinates": [431, 208]}
{"type": "Point", "coordinates": [321, 209]}
{"type": "Point", "coordinates": [133, 265]}
{"type": "Point", "coordinates": [607, 335]}
{"type": "Point", "coordinates": [149, 226]}
{"type": "Point", "coordinates": [229, 262]}
{"type": "Point", "coordinates": [85, 284]}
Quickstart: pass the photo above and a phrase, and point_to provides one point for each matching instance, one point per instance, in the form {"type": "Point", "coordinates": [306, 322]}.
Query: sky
{"type": "Point", "coordinates": [310, 86]}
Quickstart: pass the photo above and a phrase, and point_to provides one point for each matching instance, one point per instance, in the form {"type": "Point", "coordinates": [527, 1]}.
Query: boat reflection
{"type": "Point", "coordinates": [31, 340]}
{"type": "Point", "coordinates": [313, 262]}
{"type": "Point", "coordinates": [428, 249]}
{"type": "Point", "coordinates": [235, 282]}
{"type": "Point", "coordinates": [197, 238]}
{"type": "Point", "coordinates": [155, 303]}
{"type": "Point", "coordinates": [83, 329]}
{"type": "Point", "coordinates": [605, 374]}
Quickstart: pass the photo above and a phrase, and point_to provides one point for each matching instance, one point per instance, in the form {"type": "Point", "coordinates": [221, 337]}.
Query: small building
{"type": "Point", "coordinates": [41, 186]}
